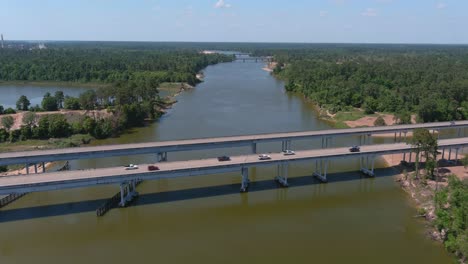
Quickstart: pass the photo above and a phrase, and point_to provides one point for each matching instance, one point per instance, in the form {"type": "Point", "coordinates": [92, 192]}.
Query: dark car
{"type": "Point", "coordinates": [224, 158]}
{"type": "Point", "coordinates": [354, 149]}
{"type": "Point", "coordinates": [153, 168]}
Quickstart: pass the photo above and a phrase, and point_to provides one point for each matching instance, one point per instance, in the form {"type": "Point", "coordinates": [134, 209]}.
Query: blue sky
{"type": "Point", "coordinates": [350, 21]}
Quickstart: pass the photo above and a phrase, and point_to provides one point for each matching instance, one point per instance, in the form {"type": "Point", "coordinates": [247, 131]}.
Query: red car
{"type": "Point", "coordinates": [153, 168]}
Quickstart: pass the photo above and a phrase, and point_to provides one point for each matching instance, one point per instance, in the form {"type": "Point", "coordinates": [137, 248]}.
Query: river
{"type": "Point", "coordinates": [351, 219]}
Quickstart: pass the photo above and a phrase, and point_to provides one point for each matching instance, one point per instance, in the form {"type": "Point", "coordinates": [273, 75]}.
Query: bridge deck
{"type": "Point", "coordinates": [81, 178]}
{"type": "Point", "coordinates": [197, 144]}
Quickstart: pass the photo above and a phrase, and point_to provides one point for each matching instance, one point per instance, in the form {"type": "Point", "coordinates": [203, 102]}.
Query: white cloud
{"type": "Point", "coordinates": [323, 13]}
{"type": "Point", "coordinates": [441, 5]}
{"type": "Point", "coordinates": [222, 4]}
{"type": "Point", "coordinates": [369, 12]}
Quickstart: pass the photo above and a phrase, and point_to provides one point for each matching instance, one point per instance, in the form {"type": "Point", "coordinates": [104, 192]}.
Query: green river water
{"type": "Point", "coordinates": [351, 219]}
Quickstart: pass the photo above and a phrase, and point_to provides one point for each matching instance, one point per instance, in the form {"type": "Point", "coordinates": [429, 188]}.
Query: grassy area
{"type": "Point", "coordinates": [53, 143]}
{"type": "Point", "coordinates": [341, 117]}
{"type": "Point", "coordinates": [172, 88]}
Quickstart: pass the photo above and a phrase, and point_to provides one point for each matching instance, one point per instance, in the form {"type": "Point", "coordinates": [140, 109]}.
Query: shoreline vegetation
{"type": "Point", "coordinates": [442, 200]}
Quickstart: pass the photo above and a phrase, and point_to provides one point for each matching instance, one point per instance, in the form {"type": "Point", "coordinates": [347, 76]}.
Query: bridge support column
{"type": "Point", "coordinates": [456, 154]}
{"type": "Point", "coordinates": [325, 142]}
{"type": "Point", "coordinates": [443, 153]}
{"type": "Point", "coordinates": [282, 174]}
{"type": "Point", "coordinates": [321, 167]}
{"type": "Point", "coordinates": [410, 156]}
{"type": "Point", "coordinates": [35, 168]}
{"type": "Point", "coordinates": [450, 154]}
{"type": "Point", "coordinates": [404, 156]}
{"type": "Point", "coordinates": [27, 168]}
{"type": "Point", "coordinates": [161, 156]}
{"type": "Point", "coordinates": [245, 180]}
{"type": "Point", "coordinates": [254, 148]}
{"type": "Point", "coordinates": [127, 192]}
{"type": "Point", "coordinates": [406, 132]}
{"type": "Point", "coordinates": [43, 167]}
{"type": "Point", "coordinates": [368, 169]}
{"type": "Point", "coordinates": [285, 145]}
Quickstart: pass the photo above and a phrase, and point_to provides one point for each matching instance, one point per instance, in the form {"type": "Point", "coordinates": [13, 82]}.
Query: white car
{"type": "Point", "coordinates": [131, 167]}
{"type": "Point", "coordinates": [264, 157]}
{"type": "Point", "coordinates": [288, 152]}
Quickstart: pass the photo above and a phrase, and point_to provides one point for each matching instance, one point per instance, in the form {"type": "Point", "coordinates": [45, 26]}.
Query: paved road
{"type": "Point", "coordinates": [199, 144]}
{"type": "Point", "coordinates": [81, 178]}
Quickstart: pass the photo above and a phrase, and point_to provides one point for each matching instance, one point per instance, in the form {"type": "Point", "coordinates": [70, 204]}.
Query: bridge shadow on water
{"type": "Point", "coordinates": [8, 215]}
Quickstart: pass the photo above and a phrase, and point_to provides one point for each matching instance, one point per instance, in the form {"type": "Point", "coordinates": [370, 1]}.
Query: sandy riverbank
{"type": "Point", "coordinates": [270, 66]}
{"type": "Point", "coordinates": [23, 171]}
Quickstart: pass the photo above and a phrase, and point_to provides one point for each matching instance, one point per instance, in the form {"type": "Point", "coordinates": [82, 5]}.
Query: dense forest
{"type": "Point", "coordinates": [132, 72]}
{"type": "Point", "coordinates": [104, 65]}
{"type": "Point", "coordinates": [431, 81]}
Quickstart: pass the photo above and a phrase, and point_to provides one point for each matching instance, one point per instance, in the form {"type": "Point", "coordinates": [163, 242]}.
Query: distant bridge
{"type": "Point", "coordinates": [254, 59]}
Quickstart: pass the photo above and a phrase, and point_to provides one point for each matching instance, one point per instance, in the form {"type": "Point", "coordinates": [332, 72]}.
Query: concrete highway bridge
{"type": "Point", "coordinates": [127, 179]}
{"type": "Point", "coordinates": [160, 149]}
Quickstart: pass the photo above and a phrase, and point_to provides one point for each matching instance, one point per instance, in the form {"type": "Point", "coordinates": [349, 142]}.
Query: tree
{"type": "Point", "coordinates": [402, 117]}
{"type": "Point", "coordinates": [49, 103]}
{"type": "Point", "coordinates": [9, 111]}
{"type": "Point", "coordinates": [465, 161]}
{"type": "Point", "coordinates": [23, 103]}
{"type": "Point", "coordinates": [88, 100]}
{"type": "Point", "coordinates": [379, 121]}
{"type": "Point", "coordinates": [424, 142]}
{"type": "Point", "coordinates": [58, 126]}
{"type": "Point", "coordinates": [7, 122]}
{"type": "Point", "coordinates": [1, 109]}
{"type": "Point", "coordinates": [71, 103]}
{"type": "Point", "coordinates": [29, 119]}
{"type": "Point", "coordinates": [59, 97]}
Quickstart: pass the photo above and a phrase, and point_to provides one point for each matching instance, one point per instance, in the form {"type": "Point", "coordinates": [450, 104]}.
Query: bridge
{"type": "Point", "coordinates": [256, 59]}
{"type": "Point", "coordinates": [160, 149]}
{"type": "Point", "coordinates": [18, 185]}
{"type": "Point", "coordinates": [128, 178]}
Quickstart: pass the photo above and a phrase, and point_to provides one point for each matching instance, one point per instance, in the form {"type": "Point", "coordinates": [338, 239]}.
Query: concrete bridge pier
{"type": "Point", "coordinates": [367, 165]}
{"type": "Point", "coordinates": [245, 180]}
{"type": "Point", "coordinates": [326, 141]}
{"type": "Point", "coordinates": [450, 154]}
{"type": "Point", "coordinates": [321, 167]}
{"type": "Point", "coordinates": [285, 145]}
{"type": "Point", "coordinates": [254, 148]}
{"type": "Point", "coordinates": [161, 156]}
{"type": "Point", "coordinates": [27, 168]}
{"type": "Point", "coordinates": [127, 192]}
{"type": "Point", "coordinates": [282, 174]}
{"type": "Point", "coordinates": [35, 168]}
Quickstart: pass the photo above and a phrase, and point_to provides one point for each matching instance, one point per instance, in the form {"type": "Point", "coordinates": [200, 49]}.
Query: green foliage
{"type": "Point", "coordinates": [23, 103]}
{"type": "Point", "coordinates": [108, 64]}
{"type": "Point", "coordinates": [88, 100]}
{"type": "Point", "coordinates": [423, 141]}
{"type": "Point", "coordinates": [465, 161]}
{"type": "Point", "coordinates": [59, 97]}
{"type": "Point", "coordinates": [431, 81]}
{"type": "Point", "coordinates": [58, 126]}
{"type": "Point", "coordinates": [71, 103]}
{"type": "Point", "coordinates": [403, 117]}
{"type": "Point", "coordinates": [7, 122]}
{"type": "Point", "coordinates": [49, 103]}
{"type": "Point", "coordinates": [2, 110]}
{"type": "Point", "coordinates": [379, 121]}
{"type": "Point", "coordinates": [452, 215]}
{"type": "Point", "coordinates": [3, 169]}
{"type": "Point", "coordinates": [29, 119]}
{"type": "Point", "coordinates": [9, 111]}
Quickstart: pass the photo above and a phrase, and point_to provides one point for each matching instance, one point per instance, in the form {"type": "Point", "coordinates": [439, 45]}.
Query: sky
{"type": "Point", "coordinates": [310, 21]}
